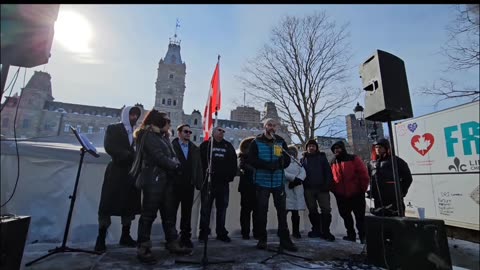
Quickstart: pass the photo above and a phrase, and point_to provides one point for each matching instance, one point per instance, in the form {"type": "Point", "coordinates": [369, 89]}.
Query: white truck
{"type": "Point", "coordinates": [442, 151]}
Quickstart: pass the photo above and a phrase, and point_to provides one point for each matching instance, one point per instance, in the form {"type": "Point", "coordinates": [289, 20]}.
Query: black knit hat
{"type": "Point", "coordinates": [383, 142]}
{"type": "Point", "coordinates": [311, 141]}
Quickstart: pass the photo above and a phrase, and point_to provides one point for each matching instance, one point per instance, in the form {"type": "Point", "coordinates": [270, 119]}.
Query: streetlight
{"type": "Point", "coordinates": [358, 110]}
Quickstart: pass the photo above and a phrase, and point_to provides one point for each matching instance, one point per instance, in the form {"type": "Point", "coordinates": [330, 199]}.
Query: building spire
{"type": "Point", "coordinates": [175, 40]}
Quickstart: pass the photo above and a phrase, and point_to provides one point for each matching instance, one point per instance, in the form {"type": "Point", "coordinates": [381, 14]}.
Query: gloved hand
{"type": "Point", "coordinates": [291, 185]}
{"type": "Point", "coordinates": [297, 181]}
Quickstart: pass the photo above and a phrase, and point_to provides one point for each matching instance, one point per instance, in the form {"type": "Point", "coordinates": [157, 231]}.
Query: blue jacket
{"type": "Point", "coordinates": [269, 158]}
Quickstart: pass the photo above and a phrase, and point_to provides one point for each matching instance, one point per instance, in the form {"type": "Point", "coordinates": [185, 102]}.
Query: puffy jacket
{"type": "Point", "coordinates": [350, 175]}
{"type": "Point", "coordinates": [269, 158]}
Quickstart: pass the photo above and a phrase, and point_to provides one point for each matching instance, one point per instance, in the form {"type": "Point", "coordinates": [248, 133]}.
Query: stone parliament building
{"type": "Point", "coordinates": [39, 117]}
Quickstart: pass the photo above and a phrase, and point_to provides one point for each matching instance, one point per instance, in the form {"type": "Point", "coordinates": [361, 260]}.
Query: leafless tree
{"type": "Point", "coordinates": [463, 53]}
{"type": "Point", "coordinates": [301, 69]}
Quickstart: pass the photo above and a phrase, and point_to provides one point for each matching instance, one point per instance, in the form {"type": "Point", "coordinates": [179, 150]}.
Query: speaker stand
{"type": "Point", "coordinates": [64, 247]}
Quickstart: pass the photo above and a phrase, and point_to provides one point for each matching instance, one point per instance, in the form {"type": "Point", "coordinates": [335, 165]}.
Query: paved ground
{"type": "Point", "coordinates": [324, 255]}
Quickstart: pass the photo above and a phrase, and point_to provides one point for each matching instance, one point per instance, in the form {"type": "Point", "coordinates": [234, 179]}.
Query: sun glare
{"type": "Point", "coordinates": [73, 32]}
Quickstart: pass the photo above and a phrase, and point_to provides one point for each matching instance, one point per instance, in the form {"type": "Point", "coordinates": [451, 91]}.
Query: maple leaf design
{"type": "Point", "coordinates": [422, 144]}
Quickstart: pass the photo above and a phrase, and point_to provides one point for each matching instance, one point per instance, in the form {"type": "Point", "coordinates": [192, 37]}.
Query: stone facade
{"type": "Point", "coordinates": [358, 132]}
{"type": "Point", "coordinates": [39, 116]}
{"type": "Point", "coordinates": [245, 114]}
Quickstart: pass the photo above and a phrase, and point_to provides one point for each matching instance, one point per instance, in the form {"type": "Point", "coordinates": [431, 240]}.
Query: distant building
{"type": "Point", "coordinates": [39, 116]}
{"type": "Point", "coordinates": [359, 135]}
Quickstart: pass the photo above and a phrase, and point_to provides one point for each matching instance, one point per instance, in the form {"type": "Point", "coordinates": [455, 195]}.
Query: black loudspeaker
{"type": "Point", "coordinates": [407, 243]}
{"type": "Point", "coordinates": [385, 81]}
{"type": "Point", "coordinates": [14, 232]}
{"type": "Point", "coordinates": [27, 33]}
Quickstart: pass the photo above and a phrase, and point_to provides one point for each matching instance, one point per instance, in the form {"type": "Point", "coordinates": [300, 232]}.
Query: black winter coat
{"type": "Point", "coordinates": [224, 161]}
{"type": "Point", "coordinates": [119, 196]}
{"type": "Point", "coordinates": [160, 161]}
{"type": "Point", "coordinates": [319, 172]}
{"type": "Point", "coordinates": [191, 172]}
{"type": "Point", "coordinates": [381, 173]}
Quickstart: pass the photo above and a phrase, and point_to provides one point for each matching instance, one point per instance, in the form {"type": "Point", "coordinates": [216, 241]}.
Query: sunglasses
{"type": "Point", "coordinates": [221, 130]}
{"type": "Point", "coordinates": [187, 132]}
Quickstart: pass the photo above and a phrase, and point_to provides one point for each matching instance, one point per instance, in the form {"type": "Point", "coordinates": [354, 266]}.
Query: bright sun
{"type": "Point", "coordinates": [73, 31]}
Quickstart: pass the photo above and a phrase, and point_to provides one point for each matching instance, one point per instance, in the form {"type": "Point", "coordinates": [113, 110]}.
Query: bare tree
{"type": "Point", "coordinates": [463, 53]}
{"type": "Point", "coordinates": [300, 69]}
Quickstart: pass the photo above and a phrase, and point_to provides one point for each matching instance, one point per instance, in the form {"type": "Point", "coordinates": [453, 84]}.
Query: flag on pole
{"type": "Point", "coordinates": [213, 102]}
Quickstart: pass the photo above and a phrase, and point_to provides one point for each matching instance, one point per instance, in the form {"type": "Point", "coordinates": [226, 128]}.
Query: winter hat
{"type": "Point", "coordinates": [340, 144]}
{"type": "Point", "coordinates": [135, 110]}
{"type": "Point", "coordinates": [311, 141]}
{"type": "Point", "coordinates": [383, 142]}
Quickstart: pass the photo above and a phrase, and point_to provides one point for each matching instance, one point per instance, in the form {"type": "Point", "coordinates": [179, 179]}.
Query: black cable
{"type": "Point", "coordinates": [14, 80]}
{"type": "Point", "coordinates": [16, 142]}
{"type": "Point", "coordinates": [6, 89]}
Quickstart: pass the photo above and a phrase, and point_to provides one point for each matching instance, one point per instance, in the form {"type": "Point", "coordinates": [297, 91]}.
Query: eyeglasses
{"type": "Point", "coordinates": [221, 130]}
{"type": "Point", "coordinates": [187, 132]}
{"type": "Point", "coordinates": [168, 121]}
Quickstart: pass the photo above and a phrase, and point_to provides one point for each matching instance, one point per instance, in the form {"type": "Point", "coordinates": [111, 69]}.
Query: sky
{"type": "Point", "coordinates": [115, 63]}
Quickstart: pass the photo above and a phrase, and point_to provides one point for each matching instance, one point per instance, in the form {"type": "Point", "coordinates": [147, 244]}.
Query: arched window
{"type": "Point", "coordinates": [195, 121]}
{"type": "Point", "coordinates": [174, 102]}
{"type": "Point", "coordinates": [169, 101]}
{"type": "Point", "coordinates": [163, 101]}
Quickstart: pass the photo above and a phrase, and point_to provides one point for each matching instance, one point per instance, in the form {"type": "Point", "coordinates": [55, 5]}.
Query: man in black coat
{"type": "Point", "coordinates": [190, 175]}
{"type": "Point", "coordinates": [119, 196]}
{"type": "Point", "coordinates": [317, 186]}
{"type": "Point", "coordinates": [224, 169]}
{"type": "Point", "coordinates": [382, 187]}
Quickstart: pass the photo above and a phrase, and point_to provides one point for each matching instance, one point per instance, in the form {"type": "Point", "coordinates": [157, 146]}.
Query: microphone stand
{"type": "Point", "coordinates": [204, 262]}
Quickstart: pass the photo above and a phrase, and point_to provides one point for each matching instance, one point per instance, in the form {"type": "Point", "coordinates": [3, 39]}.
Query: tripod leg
{"type": "Point", "coordinates": [51, 252]}
{"type": "Point", "coordinates": [81, 250]}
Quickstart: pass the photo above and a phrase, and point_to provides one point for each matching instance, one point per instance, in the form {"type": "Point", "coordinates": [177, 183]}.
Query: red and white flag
{"type": "Point", "coordinates": [213, 102]}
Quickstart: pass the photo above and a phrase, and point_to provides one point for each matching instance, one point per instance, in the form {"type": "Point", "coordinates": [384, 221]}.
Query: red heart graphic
{"type": "Point", "coordinates": [422, 144]}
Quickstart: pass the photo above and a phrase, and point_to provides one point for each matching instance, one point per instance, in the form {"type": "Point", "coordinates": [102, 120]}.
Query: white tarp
{"type": "Point", "coordinates": [47, 176]}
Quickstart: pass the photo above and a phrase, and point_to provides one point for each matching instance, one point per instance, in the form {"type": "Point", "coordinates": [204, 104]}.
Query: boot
{"type": "Point", "coordinates": [286, 242]}
{"type": "Point", "coordinates": [296, 226]}
{"type": "Point", "coordinates": [186, 242]}
{"type": "Point", "coordinates": [361, 236]}
{"type": "Point", "coordinates": [144, 255]}
{"type": "Point", "coordinates": [326, 220]}
{"type": "Point", "coordinates": [126, 239]}
{"type": "Point", "coordinates": [174, 247]}
{"type": "Point", "coordinates": [100, 243]}
{"type": "Point", "coordinates": [350, 236]}
{"type": "Point", "coordinates": [262, 243]}
{"type": "Point", "coordinates": [315, 221]}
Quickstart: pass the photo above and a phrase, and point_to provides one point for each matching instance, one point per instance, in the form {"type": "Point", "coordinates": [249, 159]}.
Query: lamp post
{"type": "Point", "coordinates": [359, 115]}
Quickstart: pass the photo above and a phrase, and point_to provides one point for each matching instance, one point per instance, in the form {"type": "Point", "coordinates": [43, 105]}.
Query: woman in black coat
{"type": "Point", "coordinates": [160, 166]}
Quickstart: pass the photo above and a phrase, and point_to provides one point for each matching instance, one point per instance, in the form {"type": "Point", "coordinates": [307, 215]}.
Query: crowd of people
{"type": "Point", "coordinates": [144, 161]}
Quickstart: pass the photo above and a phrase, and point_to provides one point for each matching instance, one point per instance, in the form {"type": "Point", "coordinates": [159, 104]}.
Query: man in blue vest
{"type": "Point", "coordinates": [267, 154]}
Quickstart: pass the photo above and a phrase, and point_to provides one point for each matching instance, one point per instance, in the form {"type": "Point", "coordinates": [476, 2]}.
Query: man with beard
{"type": "Point", "coordinates": [267, 154]}
{"type": "Point", "coordinates": [119, 196]}
{"type": "Point", "coordinates": [190, 174]}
